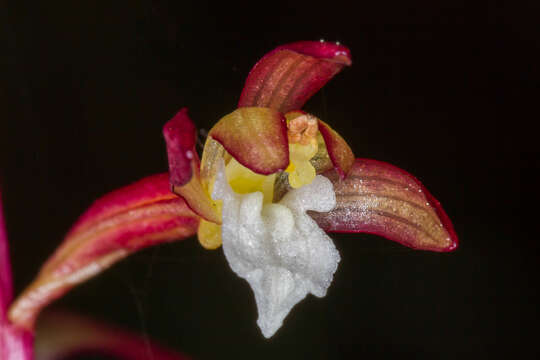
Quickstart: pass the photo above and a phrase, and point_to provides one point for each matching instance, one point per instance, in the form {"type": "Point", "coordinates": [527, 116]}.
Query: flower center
{"type": "Point", "coordinates": [305, 145]}
{"type": "Point", "coordinates": [244, 181]}
{"type": "Point", "coordinates": [302, 131]}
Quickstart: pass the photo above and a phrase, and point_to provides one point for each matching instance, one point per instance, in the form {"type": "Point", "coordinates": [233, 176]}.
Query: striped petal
{"type": "Point", "coordinates": [134, 217]}
{"type": "Point", "coordinates": [379, 198]}
{"type": "Point", "coordinates": [255, 137]}
{"type": "Point", "coordinates": [285, 78]}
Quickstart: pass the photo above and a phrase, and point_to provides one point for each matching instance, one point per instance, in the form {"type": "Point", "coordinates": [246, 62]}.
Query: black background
{"type": "Point", "coordinates": [444, 91]}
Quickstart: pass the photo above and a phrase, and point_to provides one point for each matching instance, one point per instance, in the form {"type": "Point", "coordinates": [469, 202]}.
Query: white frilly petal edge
{"type": "Point", "coordinates": [278, 248]}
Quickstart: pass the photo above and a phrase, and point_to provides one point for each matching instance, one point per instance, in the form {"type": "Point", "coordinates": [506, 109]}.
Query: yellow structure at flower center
{"type": "Point", "coordinates": [300, 170]}
{"type": "Point", "coordinates": [244, 181]}
{"type": "Point", "coordinates": [302, 132]}
{"type": "Point", "coordinates": [303, 145]}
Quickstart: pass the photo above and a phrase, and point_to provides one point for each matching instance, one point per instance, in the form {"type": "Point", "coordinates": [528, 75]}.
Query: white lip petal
{"type": "Point", "coordinates": [278, 248]}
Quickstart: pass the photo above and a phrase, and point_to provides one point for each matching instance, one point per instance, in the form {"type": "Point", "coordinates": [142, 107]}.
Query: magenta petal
{"type": "Point", "coordinates": [380, 198]}
{"type": "Point", "coordinates": [180, 135]}
{"type": "Point", "coordinates": [6, 288]}
{"type": "Point", "coordinates": [16, 343]}
{"type": "Point", "coordinates": [138, 194]}
{"type": "Point", "coordinates": [285, 78]}
{"type": "Point", "coordinates": [139, 215]}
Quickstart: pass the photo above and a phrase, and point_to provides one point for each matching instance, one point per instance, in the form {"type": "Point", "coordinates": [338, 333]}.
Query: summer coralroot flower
{"type": "Point", "coordinates": [272, 177]}
{"type": "Point", "coordinates": [272, 180]}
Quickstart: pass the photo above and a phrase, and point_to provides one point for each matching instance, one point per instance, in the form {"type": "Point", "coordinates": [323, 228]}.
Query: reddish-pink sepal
{"type": "Point", "coordinates": [285, 78]}
{"type": "Point", "coordinates": [256, 137]}
{"type": "Point", "coordinates": [61, 335]}
{"type": "Point", "coordinates": [131, 218]}
{"type": "Point", "coordinates": [379, 198]}
{"type": "Point", "coordinates": [180, 135]}
{"type": "Point", "coordinates": [6, 287]}
{"type": "Point", "coordinates": [15, 343]}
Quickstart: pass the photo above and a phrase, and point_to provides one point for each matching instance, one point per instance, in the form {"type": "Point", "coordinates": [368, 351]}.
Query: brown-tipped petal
{"type": "Point", "coordinates": [61, 335]}
{"type": "Point", "coordinates": [180, 136]}
{"type": "Point", "coordinates": [255, 137]}
{"type": "Point", "coordinates": [339, 151]}
{"type": "Point", "coordinates": [379, 198]}
{"type": "Point", "coordinates": [134, 217]}
{"type": "Point", "coordinates": [285, 78]}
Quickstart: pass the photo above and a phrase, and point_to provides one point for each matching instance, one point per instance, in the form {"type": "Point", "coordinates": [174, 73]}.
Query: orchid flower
{"type": "Point", "coordinates": [271, 181]}
{"type": "Point", "coordinates": [273, 176]}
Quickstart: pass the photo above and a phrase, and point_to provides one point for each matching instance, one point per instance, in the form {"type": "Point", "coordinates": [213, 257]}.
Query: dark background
{"type": "Point", "coordinates": [444, 91]}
